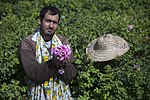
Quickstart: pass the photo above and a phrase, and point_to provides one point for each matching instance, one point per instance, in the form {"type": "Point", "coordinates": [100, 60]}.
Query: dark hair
{"type": "Point", "coordinates": [52, 11]}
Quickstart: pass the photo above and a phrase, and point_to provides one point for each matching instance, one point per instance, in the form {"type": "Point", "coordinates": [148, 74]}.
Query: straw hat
{"type": "Point", "coordinates": [106, 48]}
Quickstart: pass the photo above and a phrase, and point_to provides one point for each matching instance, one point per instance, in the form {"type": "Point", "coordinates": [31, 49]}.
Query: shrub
{"type": "Point", "coordinates": [127, 77]}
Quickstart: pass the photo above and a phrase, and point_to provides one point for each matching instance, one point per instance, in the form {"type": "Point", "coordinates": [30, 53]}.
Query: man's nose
{"type": "Point", "coordinates": [51, 24]}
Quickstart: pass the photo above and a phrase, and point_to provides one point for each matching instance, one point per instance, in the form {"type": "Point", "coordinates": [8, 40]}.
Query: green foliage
{"type": "Point", "coordinates": [11, 91]}
{"type": "Point", "coordinates": [126, 78]}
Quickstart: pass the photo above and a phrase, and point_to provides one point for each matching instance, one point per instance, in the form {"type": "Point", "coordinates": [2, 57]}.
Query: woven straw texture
{"type": "Point", "coordinates": [106, 48]}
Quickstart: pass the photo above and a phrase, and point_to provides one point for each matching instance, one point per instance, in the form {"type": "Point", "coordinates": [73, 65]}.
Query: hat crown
{"type": "Point", "coordinates": [101, 43]}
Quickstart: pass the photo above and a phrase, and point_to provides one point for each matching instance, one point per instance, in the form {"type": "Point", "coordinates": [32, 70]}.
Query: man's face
{"type": "Point", "coordinates": [49, 24]}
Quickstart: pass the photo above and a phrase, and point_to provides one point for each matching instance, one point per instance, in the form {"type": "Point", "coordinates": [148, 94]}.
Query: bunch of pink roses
{"type": "Point", "coordinates": [62, 52]}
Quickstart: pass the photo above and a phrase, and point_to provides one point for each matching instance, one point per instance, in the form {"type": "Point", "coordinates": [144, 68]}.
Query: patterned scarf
{"type": "Point", "coordinates": [52, 89]}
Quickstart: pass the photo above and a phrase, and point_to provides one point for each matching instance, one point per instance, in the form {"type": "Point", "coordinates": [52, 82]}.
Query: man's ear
{"type": "Point", "coordinates": [39, 21]}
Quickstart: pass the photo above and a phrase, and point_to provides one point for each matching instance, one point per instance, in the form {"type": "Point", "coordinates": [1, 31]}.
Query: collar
{"type": "Point", "coordinates": [34, 38]}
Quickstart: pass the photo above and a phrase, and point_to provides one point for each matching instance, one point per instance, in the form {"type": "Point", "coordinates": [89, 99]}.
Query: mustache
{"type": "Point", "coordinates": [48, 32]}
{"type": "Point", "coordinates": [49, 29]}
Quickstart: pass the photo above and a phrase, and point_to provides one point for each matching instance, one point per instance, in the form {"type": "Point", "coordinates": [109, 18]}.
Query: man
{"type": "Point", "coordinates": [42, 73]}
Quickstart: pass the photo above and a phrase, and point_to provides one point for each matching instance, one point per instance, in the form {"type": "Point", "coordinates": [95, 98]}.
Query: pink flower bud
{"type": "Point", "coordinates": [130, 27]}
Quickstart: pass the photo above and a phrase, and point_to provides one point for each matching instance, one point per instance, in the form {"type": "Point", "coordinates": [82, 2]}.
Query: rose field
{"type": "Point", "coordinates": [125, 78]}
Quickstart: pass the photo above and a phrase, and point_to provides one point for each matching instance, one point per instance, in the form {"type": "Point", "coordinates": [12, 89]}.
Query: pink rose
{"type": "Point", "coordinates": [62, 52]}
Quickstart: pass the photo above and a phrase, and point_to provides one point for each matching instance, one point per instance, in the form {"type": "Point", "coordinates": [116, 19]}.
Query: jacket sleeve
{"type": "Point", "coordinates": [70, 72]}
{"type": "Point", "coordinates": [69, 69]}
{"type": "Point", "coordinates": [35, 71]}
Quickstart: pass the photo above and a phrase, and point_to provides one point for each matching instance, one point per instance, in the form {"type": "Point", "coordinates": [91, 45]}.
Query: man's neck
{"type": "Point", "coordinates": [47, 37]}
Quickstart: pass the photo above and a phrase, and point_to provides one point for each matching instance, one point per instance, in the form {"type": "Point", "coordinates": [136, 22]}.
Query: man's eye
{"type": "Point", "coordinates": [55, 22]}
{"type": "Point", "coordinates": [48, 21]}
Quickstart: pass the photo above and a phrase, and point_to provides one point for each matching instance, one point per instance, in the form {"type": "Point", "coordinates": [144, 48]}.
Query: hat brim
{"type": "Point", "coordinates": [119, 48]}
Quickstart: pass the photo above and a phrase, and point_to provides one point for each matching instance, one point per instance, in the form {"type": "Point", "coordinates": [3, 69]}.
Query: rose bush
{"type": "Point", "coordinates": [127, 77]}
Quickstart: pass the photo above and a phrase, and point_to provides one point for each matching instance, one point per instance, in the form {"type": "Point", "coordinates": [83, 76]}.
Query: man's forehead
{"type": "Point", "coordinates": [48, 15]}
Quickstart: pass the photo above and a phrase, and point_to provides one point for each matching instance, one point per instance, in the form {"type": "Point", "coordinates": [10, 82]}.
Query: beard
{"type": "Point", "coordinates": [49, 33]}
